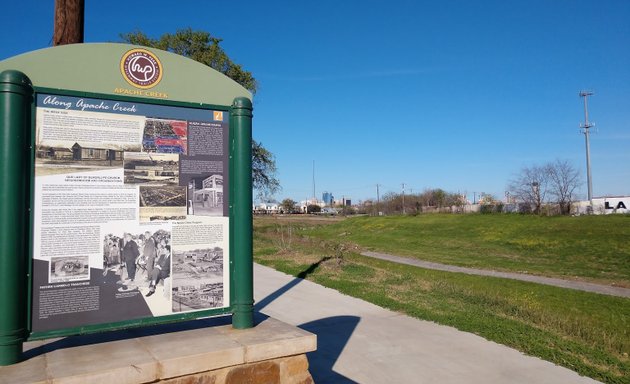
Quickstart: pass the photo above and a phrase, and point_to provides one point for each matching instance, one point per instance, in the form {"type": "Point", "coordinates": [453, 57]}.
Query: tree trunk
{"type": "Point", "coordinates": [68, 22]}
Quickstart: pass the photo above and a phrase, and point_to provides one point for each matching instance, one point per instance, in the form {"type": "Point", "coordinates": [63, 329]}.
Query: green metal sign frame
{"type": "Point", "coordinates": [17, 154]}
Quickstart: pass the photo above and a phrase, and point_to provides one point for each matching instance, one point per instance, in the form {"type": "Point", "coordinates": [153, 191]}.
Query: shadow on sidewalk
{"type": "Point", "coordinates": [332, 333]}
{"type": "Point", "coordinates": [282, 290]}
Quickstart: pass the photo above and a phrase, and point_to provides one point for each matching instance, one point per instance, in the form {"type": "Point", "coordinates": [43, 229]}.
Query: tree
{"type": "Point", "coordinates": [564, 179]}
{"type": "Point", "coordinates": [288, 205]}
{"type": "Point", "coordinates": [263, 170]}
{"type": "Point", "coordinates": [313, 208]}
{"type": "Point", "coordinates": [205, 48]}
{"type": "Point", "coordinates": [199, 46]}
{"type": "Point", "coordinates": [530, 186]}
{"type": "Point", "coordinates": [488, 199]}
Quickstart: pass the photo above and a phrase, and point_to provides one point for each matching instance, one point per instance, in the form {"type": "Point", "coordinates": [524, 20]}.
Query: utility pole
{"type": "Point", "coordinates": [68, 24]}
{"type": "Point", "coordinates": [314, 196]}
{"type": "Point", "coordinates": [403, 197]}
{"type": "Point", "coordinates": [378, 201]}
{"type": "Point", "coordinates": [585, 127]}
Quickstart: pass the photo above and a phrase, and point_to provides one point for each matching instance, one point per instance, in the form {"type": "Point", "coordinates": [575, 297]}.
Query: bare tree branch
{"type": "Point", "coordinates": [564, 179]}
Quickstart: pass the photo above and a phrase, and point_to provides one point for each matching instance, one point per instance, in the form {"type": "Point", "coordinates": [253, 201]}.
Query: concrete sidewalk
{"type": "Point", "coordinates": [360, 342]}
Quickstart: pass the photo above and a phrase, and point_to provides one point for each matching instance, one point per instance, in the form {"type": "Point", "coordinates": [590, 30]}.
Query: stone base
{"type": "Point", "coordinates": [286, 370]}
{"type": "Point", "coordinates": [272, 352]}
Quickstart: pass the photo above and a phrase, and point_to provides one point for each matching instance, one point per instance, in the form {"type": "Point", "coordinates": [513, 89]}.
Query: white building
{"type": "Point", "coordinates": [312, 201]}
{"type": "Point", "coordinates": [267, 208]}
{"type": "Point", "coordinates": [603, 205]}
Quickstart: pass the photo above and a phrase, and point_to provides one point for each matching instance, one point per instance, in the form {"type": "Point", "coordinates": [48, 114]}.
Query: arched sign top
{"type": "Point", "coordinates": [126, 70]}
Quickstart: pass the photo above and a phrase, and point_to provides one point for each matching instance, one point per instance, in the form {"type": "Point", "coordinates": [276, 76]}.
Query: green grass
{"type": "Point", "coordinates": [590, 248]}
{"type": "Point", "coordinates": [585, 332]}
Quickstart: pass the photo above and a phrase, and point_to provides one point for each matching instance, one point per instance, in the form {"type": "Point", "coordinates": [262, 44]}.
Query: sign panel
{"type": "Point", "coordinates": [130, 216]}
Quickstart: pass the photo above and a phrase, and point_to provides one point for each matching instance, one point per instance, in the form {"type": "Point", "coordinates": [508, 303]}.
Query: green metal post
{"type": "Point", "coordinates": [16, 94]}
{"type": "Point", "coordinates": [241, 117]}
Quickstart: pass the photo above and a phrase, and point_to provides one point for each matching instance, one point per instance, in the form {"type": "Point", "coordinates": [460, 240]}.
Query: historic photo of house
{"type": "Point", "coordinates": [151, 168]}
{"type": "Point", "coordinates": [78, 157]}
{"type": "Point", "coordinates": [69, 268]}
{"type": "Point", "coordinates": [197, 279]}
{"type": "Point", "coordinates": [205, 196]}
{"type": "Point", "coordinates": [165, 136]}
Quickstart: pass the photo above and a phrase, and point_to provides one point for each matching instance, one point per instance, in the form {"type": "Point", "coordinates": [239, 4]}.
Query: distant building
{"type": "Point", "coordinates": [603, 205]}
{"type": "Point", "coordinates": [305, 203]}
{"type": "Point", "coordinates": [328, 198]}
{"type": "Point", "coordinates": [266, 208]}
{"type": "Point", "coordinates": [343, 202]}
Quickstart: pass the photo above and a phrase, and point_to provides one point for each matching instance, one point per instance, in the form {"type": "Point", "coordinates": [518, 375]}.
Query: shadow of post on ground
{"type": "Point", "coordinates": [332, 333]}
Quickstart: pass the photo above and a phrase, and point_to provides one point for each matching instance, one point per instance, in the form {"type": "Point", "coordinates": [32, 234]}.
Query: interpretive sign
{"type": "Point", "coordinates": [138, 169]}
{"type": "Point", "coordinates": [130, 218]}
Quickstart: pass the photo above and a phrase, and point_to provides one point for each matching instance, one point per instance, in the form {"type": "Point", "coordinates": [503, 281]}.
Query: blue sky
{"type": "Point", "coordinates": [458, 95]}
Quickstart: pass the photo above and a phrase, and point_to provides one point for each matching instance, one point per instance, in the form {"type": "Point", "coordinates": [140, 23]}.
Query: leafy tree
{"type": "Point", "coordinates": [288, 205]}
{"type": "Point", "coordinates": [201, 46]}
{"type": "Point", "coordinates": [313, 208]}
{"type": "Point", "coordinates": [264, 170]}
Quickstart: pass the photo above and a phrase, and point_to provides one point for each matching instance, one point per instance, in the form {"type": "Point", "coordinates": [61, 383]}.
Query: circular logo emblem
{"type": "Point", "coordinates": [141, 68]}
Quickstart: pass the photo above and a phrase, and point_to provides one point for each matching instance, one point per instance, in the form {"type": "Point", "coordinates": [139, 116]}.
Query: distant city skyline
{"type": "Point", "coordinates": [458, 95]}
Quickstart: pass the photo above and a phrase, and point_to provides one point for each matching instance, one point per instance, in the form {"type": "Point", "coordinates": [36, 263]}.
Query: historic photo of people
{"type": "Point", "coordinates": [197, 279]}
{"type": "Point", "coordinates": [69, 268]}
{"type": "Point", "coordinates": [130, 258]}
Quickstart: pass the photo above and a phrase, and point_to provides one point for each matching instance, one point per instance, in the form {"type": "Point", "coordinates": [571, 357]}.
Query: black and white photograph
{"type": "Point", "coordinates": [166, 196]}
{"type": "Point", "coordinates": [79, 157]}
{"type": "Point", "coordinates": [162, 203]}
{"type": "Point", "coordinates": [205, 195]}
{"type": "Point", "coordinates": [166, 218]}
{"type": "Point", "coordinates": [197, 279]}
{"type": "Point", "coordinates": [69, 268]}
{"type": "Point", "coordinates": [131, 257]}
{"type": "Point", "coordinates": [151, 168]}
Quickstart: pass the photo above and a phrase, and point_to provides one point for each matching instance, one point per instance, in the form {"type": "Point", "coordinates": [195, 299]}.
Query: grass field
{"type": "Point", "coordinates": [585, 332]}
{"type": "Point", "coordinates": [590, 248]}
